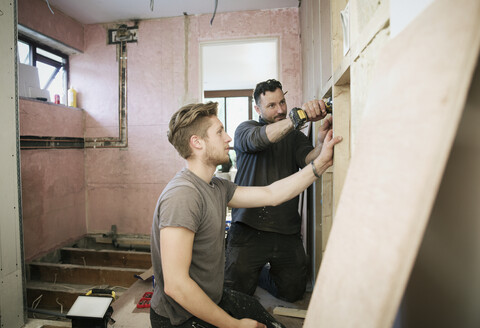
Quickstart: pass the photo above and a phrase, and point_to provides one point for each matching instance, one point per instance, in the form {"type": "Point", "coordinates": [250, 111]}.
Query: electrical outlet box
{"type": "Point", "coordinates": [123, 34]}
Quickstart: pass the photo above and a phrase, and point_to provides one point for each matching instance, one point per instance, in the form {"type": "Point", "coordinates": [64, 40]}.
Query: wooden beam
{"type": "Point", "coordinates": [110, 258]}
{"type": "Point", "coordinates": [124, 241]}
{"type": "Point", "coordinates": [53, 296]}
{"type": "Point", "coordinates": [77, 274]}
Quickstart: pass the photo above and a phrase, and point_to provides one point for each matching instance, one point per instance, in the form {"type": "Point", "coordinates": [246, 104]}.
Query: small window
{"type": "Point", "coordinates": [52, 66]}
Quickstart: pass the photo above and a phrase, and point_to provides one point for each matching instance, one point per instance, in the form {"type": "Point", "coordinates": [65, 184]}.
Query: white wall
{"type": "Point", "coordinates": [238, 64]}
{"type": "Point", "coordinates": [402, 12]}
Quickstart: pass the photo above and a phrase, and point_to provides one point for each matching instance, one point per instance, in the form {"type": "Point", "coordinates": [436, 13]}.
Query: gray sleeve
{"type": "Point", "coordinates": [251, 137]}
{"type": "Point", "coordinates": [228, 186]}
{"type": "Point", "coordinates": [181, 207]}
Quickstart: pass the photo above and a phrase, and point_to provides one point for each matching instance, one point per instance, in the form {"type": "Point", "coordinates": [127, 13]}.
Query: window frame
{"type": "Point", "coordinates": [232, 94]}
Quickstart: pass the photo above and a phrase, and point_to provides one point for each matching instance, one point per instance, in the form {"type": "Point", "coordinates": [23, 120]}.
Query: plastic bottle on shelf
{"type": "Point", "coordinates": [72, 97]}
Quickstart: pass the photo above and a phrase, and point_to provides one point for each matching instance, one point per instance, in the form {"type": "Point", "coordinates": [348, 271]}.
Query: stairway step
{"type": "Point", "coordinates": [65, 294]}
{"type": "Point", "coordinates": [79, 274]}
{"type": "Point", "coordinates": [110, 258]}
{"type": "Point", "coordinates": [50, 293]}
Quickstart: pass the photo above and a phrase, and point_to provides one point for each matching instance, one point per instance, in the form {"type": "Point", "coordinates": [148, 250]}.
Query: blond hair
{"type": "Point", "coordinates": [187, 121]}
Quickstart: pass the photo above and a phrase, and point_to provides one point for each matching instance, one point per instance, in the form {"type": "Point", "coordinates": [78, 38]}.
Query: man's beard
{"type": "Point", "coordinates": [216, 158]}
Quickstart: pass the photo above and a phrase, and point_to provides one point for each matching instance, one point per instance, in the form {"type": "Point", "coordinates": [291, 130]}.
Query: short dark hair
{"type": "Point", "coordinates": [262, 87]}
{"type": "Point", "coordinates": [187, 121]}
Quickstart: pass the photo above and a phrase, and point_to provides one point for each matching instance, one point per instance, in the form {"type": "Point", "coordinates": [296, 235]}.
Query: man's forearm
{"type": "Point", "coordinates": [276, 131]}
{"type": "Point", "coordinates": [193, 299]}
{"type": "Point", "coordinates": [313, 153]}
{"type": "Point", "coordinates": [277, 192]}
{"type": "Point", "coordinates": [289, 187]}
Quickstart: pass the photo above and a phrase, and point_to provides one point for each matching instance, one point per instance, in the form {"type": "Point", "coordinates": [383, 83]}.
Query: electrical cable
{"type": "Point", "coordinates": [48, 4]}
{"type": "Point", "coordinates": [52, 313]}
{"type": "Point", "coordinates": [35, 304]}
{"type": "Point", "coordinates": [214, 12]}
{"type": "Point", "coordinates": [37, 301]}
{"type": "Point", "coordinates": [61, 305]}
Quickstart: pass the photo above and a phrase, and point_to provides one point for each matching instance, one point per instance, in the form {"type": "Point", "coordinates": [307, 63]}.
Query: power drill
{"type": "Point", "coordinates": [299, 117]}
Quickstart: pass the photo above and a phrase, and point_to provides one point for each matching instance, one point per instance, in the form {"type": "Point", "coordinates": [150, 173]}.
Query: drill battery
{"type": "Point", "coordinates": [299, 117]}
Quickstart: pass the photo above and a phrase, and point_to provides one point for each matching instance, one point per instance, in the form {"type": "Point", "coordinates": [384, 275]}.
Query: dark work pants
{"type": "Point", "coordinates": [237, 304]}
{"type": "Point", "coordinates": [248, 250]}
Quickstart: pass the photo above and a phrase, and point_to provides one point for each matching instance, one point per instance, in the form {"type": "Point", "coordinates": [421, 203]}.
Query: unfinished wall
{"type": "Point", "coordinates": [52, 180]}
{"type": "Point", "coordinates": [123, 185]}
{"type": "Point", "coordinates": [53, 189]}
{"type": "Point", "coordinates": [342, 71]}
{"type": "Point", "coordinates": [35, 15]}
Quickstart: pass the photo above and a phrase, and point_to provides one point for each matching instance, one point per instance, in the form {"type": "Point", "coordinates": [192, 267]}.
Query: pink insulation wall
{"type": "Point", "coordinates": [35, 15]}
{"type": "Point", "coordinates": [122, 185]}
{"type": "Point", "coordinates": [53, 185]}
{"type": "Point", "coordinates": [53, 180]}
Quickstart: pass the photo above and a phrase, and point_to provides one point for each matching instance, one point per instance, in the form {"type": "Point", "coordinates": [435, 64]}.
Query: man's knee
{"type": "Point", "coordinates": [239, 277]}
{"type": "Point", "coordinates": [291, 284]}
{"type": "Point", "coordinates": [293, 291]}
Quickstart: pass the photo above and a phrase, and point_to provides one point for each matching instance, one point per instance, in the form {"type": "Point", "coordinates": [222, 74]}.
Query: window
{"type": "Point", "coordinates": [234, 107]}
{"type": "Point", "coordinates": [52, 66]}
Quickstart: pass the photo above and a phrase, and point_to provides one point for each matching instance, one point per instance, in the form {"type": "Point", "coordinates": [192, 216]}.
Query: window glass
{"type": "Point", "coordinates": [45, 72]}
{"type": "Point", "coordinates": [237, 112]}
{"type": "Point", "coordinates": [221, 108]}
{"type": "Point", "coordinates": [255, 115]}
{"type": "Point", "coordinates": [24, 53]}
{"type": "Point", "coordinates": [56, 86]}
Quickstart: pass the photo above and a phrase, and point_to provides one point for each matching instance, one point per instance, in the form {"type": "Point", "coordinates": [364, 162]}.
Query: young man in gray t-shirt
{"type": "Point", "coordinates": [187, 242]}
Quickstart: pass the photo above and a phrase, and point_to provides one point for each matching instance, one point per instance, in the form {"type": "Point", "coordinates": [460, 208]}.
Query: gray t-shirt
{"type": "Point", "coordinates": [189, 202]}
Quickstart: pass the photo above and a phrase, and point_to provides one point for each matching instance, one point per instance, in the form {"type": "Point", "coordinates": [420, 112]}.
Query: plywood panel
{"type": "Point", "coordinates": [444, 287]}
{"type": "Point", "coordinates": [416, 101]}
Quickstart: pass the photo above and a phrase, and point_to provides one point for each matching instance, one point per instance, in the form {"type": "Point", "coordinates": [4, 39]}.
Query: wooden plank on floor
{"type": "Point", "coordinates": [125, 312]}
{"type": "Point", "coordinates": [289, 312]}
{"type": "Point", "coordinates": [77, 274]}
{"type": "Point", "coordinates": [111, 258]}
{"type": "Point", "coordinates": [415, 104]}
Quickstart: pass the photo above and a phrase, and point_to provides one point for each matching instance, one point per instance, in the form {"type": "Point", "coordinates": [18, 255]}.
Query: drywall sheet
{"type": "Point", "coordinates": [411, 118]}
